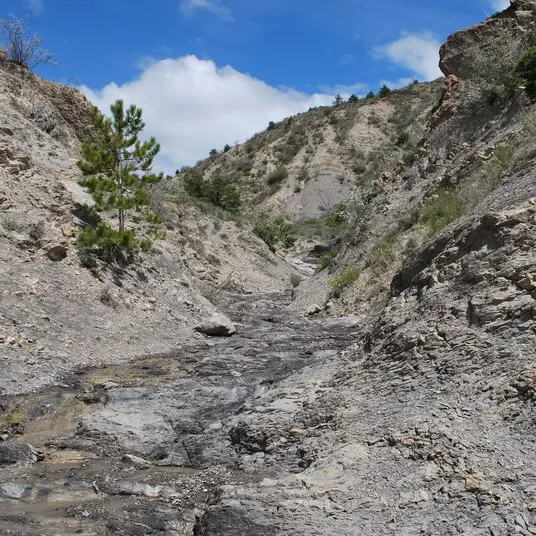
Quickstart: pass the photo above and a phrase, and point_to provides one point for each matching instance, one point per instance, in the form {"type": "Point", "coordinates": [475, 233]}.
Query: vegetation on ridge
{"type": "Point", "coordinates": [19, 47]}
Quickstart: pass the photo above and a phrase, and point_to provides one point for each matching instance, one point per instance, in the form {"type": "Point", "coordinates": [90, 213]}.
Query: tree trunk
{"type": "Point", "coordinates": [121, 194]}
{"type": "Point", "coordinates": [121, 220]}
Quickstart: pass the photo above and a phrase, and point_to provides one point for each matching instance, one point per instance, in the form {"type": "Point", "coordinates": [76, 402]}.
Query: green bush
{"type": "Point", "coordinates": [219, 191]}
{"type": "Point", "coordinates": [108, 244]}
{"type": "Point", "coordinates": [9, 224]}
{"type": "Point", "coordinates": [274, 232]}
{"type": "Point", "coordinates": [344, 280]}
{"type": "Point", "coordinates": [403, 139]}
{"type": "Point", "coordinates": [295, 280]}
{"type": "Point", "coordinates": [446, 207]}
{"type": "Point", "coordinates": [328, 259]}
{"type": "Point", "coordinates": [526, 69]}
{"type": "Point", "coordinates": [410, 156]}
{"type": "Point", "coordinates": [277, 176]}
{"type": "Point", "coordinates": [383, 253]}
{"type": "Point", "coordinates": [384, 91]}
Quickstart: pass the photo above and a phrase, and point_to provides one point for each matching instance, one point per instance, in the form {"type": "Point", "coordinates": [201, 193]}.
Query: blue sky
{"type": "Point", "coordinates": [210, 72]}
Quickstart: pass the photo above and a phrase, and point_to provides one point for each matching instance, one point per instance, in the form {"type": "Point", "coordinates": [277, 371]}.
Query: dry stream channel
{"type": "Point", "coordinates": [147, 447]}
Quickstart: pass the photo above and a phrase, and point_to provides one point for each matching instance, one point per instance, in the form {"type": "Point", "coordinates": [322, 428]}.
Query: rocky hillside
{"type": "Point", "coordinates": [305, 165]}
{"type": "Point", "coordinates": [55, 314]}
{"type": "Point", "coordinates": [392, 392]}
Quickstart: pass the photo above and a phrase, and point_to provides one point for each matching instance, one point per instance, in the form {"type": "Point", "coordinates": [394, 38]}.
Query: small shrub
{"type": "Point", "coordinates": [277, 176]}
{"type": "Point", "coordinates": [328, 259]}
{"type": "Point", "coordinates": [344, 280]}
{"type": "Point", "coordinates": [9, 224]}
{"type": "Point", "coordinates": [526, 69]}
{"type": "Point", "coordinates": [295, 280]}
{"type": "Point", "coordinates": [219, 191]}
{"type": "Point", "coordinates": [374, 119]}
{"type": "Point", "coordinates": [333, 120]}
{"type": "Point", "coordinates": [446, 207]}
{"type": "Point", "coordinates": [212, 259]}
{"type": "Point", "coordinates": [107, 298]}
{"type": "Point", "coordinates": [410, 156]}
{"type": "Point", "coordinates": [383, 253]}
{"type": "Point", "coordinates": [359, 168]}
{"type": "Point", "coordinates": [21, 48]}
{"type": "Point", "coordinates": [274, 232]}
{"type": "Point", "coordinates": [403, 139]}
{"type": "Point", "coordinates": [110, 245]}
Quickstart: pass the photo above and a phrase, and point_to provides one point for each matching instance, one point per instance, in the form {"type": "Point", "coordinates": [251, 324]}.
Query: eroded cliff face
{"type": "Point", "coordinates": [462, 51]}
{"type": "Point", "coordinates": [405, 406]}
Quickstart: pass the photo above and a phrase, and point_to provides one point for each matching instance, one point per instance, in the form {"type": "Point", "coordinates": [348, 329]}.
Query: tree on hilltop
{"type": "Point", "coordinates": [19, 47]}
{"type": "Point", "coordinates": [384, 91]}
{"type": "Point", "coordinates": [338, 101]}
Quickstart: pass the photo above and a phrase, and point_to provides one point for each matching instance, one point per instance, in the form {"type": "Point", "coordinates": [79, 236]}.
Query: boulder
{"type": "Point", "coordinates": [12, 453]}
{"type": "Point", "coordinates": [313, 310]}
{"type": "Point", "coordinates": [500, 37]}
{"type": "Point", "coordinates": [57, 253]}
{"type": "Point", "coordinates": [217, 326]}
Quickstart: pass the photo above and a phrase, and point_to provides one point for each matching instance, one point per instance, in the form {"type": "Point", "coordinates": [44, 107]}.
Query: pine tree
{"type": "Point", "coordinates": [384, 91]}
{"type": "Point", "coordinates": [338, 101]}
{"type": "Point", "coordinates": [117, 167]}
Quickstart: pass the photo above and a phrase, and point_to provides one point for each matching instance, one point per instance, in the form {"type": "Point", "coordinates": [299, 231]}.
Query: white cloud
{"type": "Point", "coordinates": [418, 53]}
{"type": "Point", "coordinates": [35, 6]}
{"type": "Point", "coordinates": [191, 106]}
{"type": "Point", "coordinates": [212, 6]}
{"type": "Point", "coordinates": [499, 5]}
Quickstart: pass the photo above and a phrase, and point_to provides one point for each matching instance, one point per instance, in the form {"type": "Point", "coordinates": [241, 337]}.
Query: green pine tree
{"type": "Point", "coordinates": [117, 168]}
{"type": "Point", "coordinates": [338, 101]}
{"type": "Point", "coordinates": [384, 91]}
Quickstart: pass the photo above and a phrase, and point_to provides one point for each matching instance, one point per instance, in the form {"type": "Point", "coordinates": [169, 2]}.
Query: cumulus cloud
{"type": "Point", "coordinates": [35, 6]}
{"type": "Point", "coordinates": [191, 106]}
{"type": "Point", "coordinates": [499, 5]}
{"type": "Point", "coordinates": [418, 53]}
{"type": "Point", "coordinates": [212, 6]}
